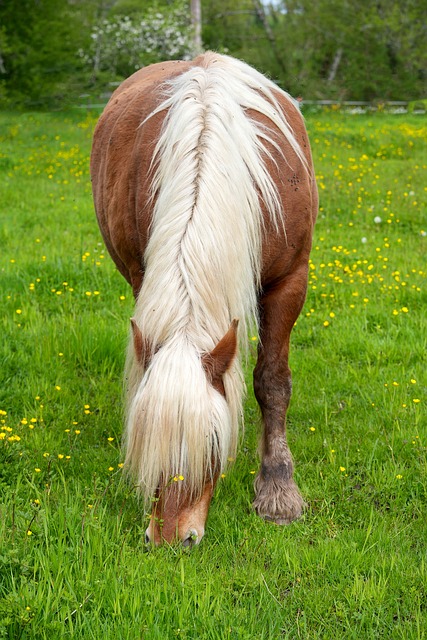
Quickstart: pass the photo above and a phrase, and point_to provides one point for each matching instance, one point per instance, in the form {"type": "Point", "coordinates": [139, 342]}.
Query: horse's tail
{"type": "Point", "coordinates": [202, 262]}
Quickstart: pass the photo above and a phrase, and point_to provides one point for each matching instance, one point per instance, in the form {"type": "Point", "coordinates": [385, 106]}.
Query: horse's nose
{"type": "Point", "coordinates": [191, 539]}
{"type": "Point", "coordinates": [147, 537]}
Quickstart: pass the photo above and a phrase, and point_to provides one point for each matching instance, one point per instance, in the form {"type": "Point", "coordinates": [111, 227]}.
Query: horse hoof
{"type": "Point", "coordinates": [278, 502]}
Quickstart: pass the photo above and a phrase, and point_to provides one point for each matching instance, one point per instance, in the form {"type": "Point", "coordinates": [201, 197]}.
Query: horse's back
{"type": "Point", "coordinates": [121, 168]}
{"type": "Point", "coordinates": [120, 165]}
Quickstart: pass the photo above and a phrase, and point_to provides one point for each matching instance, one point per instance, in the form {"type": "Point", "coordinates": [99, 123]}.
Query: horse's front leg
{"type": "Point", "coordinates": [277, 496]}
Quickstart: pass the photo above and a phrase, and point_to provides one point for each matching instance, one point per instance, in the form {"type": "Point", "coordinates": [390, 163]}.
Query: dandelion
{"type": "Point", "coordinates": [342, 469]}
{"type": "Point", "coordinates": [377, 220]}
{"type": "Point", "coordinates": [252, 472]}
{"type": "Point", "coordinates": [122, 298]}
{"type": "Point", "coordinates": [57, 387]}
{"type": "Point", "coordinates": [312, 428]}
{"type": "Point", "coordinates": [416, 400]}
{"type": "Point", "coordinates": [110, 468]}
{"type": "Point", "coordinates": [413, 381]}
{"type": "Point", "coordinates": [399, 476]}
{"type": "Point", "coordinates": [29, 532]}
{"type": "Point", "coordinates": [77, 431]}
{"type": "Point", "coordinates": [110, 439]}
{"type": "Point", "coordinates": [37, 470]}
{"type": "Point", "coordinates": [18, 311]}
{"type": "Point", "coordinates": [60, 456]}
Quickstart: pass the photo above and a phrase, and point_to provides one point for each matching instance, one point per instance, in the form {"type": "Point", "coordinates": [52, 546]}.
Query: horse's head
{"type": "Point", "coordinates": [200, 438]}
{"type": "Point", "coordinates": [177, 517]}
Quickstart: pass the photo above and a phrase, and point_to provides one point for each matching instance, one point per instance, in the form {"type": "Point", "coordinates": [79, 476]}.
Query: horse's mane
{"type": "Point", "coordinates": [202, 266]}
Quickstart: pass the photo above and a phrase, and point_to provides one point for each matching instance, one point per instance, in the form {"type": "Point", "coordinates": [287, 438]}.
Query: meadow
{"type": "Point", "coordinates": [73, 563]}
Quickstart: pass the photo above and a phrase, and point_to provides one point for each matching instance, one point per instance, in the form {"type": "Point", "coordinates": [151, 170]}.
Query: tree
{"type": "Point", "coordinates": [120, 43]}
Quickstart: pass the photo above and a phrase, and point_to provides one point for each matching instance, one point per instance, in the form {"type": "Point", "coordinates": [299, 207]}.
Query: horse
{"type": "Point", "coordinates": [205, 195]}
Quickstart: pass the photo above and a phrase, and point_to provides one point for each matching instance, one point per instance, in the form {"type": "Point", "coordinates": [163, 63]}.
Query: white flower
{"type": "Point", "coordinates": [377, 220]}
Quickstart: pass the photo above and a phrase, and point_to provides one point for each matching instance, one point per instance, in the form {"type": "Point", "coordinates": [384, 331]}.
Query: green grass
{"type": "Point", "coordinates": [72, 559]}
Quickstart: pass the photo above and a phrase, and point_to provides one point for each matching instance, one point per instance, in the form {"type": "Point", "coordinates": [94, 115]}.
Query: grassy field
{"type": "Point", "coordinates": [72, 559]}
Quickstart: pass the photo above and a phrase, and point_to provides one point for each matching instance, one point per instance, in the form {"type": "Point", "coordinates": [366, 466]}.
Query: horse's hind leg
{"type": "Point", "coordinates": [277, 497]}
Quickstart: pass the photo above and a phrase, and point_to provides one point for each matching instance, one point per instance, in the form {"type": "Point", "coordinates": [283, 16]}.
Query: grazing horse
{"type": "Point", "coordinates": [206, 198]}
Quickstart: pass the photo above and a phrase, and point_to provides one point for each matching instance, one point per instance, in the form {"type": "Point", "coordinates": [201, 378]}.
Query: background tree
{"type": "Point", "coordinates": [51, 51]}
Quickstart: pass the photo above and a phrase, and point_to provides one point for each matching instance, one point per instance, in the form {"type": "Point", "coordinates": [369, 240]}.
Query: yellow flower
{"type": "Point", "coordinates": [110, 439]}
{"type": "Point", "coordinates": [37, 470]}
{"type": "Point", "coordinates": [60, 456]}
{"type": "Point", "coordinates": [110, 468]}
{"type": "Point", "coordinates": [312, 428]}
{"type": "Point", "coordinates": [399, 476]}
{"type": "Point", "coordinates": [416, 400]}
{"type": "Point", "coordinates": [342, 469]}
{"type": "Point", "coordinates": [19, 311]}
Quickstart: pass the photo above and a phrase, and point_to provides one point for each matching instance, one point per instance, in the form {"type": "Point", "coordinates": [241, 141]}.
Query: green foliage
{"type": "Point", "coordinates": [72, 560]}
{"type": "Point", "coordinates": [328, 48]}
{"type": "Point", "coordinates": [40, 57]}
{"type": "Point", "coordinates": [52, 51]}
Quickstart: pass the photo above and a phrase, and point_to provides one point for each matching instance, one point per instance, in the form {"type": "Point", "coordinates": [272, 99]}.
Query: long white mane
{"type": "Point", "coordinates": [202, 268]}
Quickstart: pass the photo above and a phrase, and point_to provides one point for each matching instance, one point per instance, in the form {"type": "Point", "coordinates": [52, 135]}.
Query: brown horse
{"type": "Point", "coordinates": [206, 198]}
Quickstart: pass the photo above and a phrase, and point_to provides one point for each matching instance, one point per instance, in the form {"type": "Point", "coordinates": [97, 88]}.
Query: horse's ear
{"type": "Point", "coordinates": [219, 360]}
{"type": "Point", "coordinates": [140, 345]}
